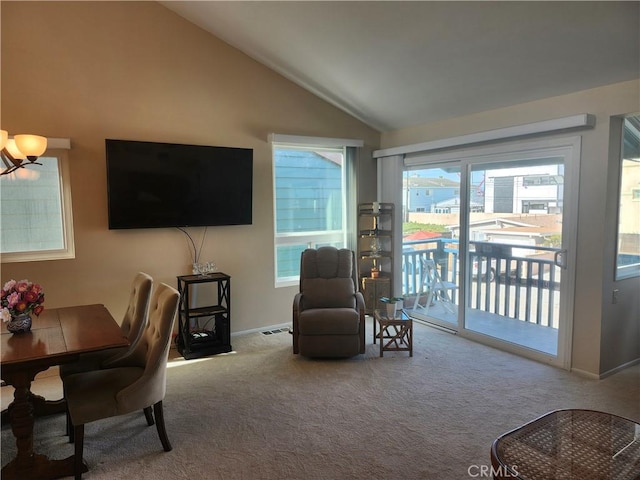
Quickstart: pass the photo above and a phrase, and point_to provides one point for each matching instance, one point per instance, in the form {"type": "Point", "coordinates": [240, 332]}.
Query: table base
{"type": "Point", "coordinates": [41, 407]}
{"type": "Point", "coordinates": [40, 467]}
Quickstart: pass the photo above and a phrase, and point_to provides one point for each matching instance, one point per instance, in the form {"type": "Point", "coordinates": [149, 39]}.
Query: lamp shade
{"type": "Point", "coordinates": [31, 145]}
{"type": "Point", "coordinates": [4, 136]}
{"type": "Point", "coordinates": [13, 150]}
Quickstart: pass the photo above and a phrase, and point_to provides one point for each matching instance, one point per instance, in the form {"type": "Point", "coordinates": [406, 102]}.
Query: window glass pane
{"type": "Point", "coordinates": [628, 258]}
{"type": "Point", "coordinates": [288, 264]}
{"type": "Point", "coordinates": [309, 190]}
{"type": "Point", "coordinates": [310, 203]}
{"type": "Point", "coordinates": [31, 208]}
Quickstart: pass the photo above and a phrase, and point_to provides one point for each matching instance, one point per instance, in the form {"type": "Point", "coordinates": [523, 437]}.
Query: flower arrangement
{"type": "Point", "coordinates": [20, 297]}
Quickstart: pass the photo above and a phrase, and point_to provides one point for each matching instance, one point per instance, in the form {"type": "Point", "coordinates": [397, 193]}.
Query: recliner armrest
{"type": "Point", "coordinates": [297, 303]}
{"type": "Point", "coordinates": [360, 305]}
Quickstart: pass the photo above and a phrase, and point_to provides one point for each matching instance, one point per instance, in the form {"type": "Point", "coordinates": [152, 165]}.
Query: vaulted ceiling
{"type": "Point", "coordinates": [398, 64]}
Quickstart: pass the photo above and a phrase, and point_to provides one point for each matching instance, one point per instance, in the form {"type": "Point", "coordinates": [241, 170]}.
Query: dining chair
{"type": "Point", "coordinates": [133, 323]}
{"type": "Point", "coordinates": [137, 381]}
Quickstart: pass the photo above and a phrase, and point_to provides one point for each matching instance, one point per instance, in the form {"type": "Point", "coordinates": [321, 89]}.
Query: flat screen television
{"type": "Point", "coordinates": [154, 185]}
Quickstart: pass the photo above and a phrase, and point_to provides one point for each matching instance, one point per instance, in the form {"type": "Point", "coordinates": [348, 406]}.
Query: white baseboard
{"type": "Point", "coordinates": [595, 376]}
{"type": "Point", "coordinates": [584, 373]}
{"type": "Point", "coordinates": [620, 368]}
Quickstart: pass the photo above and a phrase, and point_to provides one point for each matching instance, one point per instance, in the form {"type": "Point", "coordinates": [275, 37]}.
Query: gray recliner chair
{"type": "Point", "coordinates": [329, 311]}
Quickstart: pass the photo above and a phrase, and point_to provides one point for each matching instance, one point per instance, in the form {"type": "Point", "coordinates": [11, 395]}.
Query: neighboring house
{"type": "Point", "coordinates": [525, 190]}
{"type": "Point", "coordinates": [308, 189]}
{"type": "Point", "coordinates": [312, 203]}
{"type": "Point", "coordinates": [422, 193]}
{"type": "Point", "coordinates": [629, 195]}
{"type": "Point", "coordinates": [452, 205]}
{"type": "Point", "coordinates": [537, 231]}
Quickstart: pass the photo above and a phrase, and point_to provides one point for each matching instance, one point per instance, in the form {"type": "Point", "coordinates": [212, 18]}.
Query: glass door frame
{"type": "Point", "coordinates": [569, 148]}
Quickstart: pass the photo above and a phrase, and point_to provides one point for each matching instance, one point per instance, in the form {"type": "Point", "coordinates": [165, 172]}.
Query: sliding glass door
{"type": "Point", "coordinates": [488, 236]}
{"type": "Point", "coordinates": [513, 247]}
{"type": "Point", "coordinates": [431, 210]}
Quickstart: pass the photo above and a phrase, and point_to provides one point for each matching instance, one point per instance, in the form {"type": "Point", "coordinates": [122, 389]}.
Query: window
{"type": "Point", "coordinates": [628, 255]}
{"type": "Point", "coordinates": [311, 202]}
{"type": "Point", "coordinates": [35, 211]}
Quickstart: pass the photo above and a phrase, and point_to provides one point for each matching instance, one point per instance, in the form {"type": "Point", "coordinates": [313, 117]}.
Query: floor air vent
{"type": "Point", "coordinates": [277, 330]}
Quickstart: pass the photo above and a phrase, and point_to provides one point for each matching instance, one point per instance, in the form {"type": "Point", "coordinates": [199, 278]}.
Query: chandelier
{"type": "Point", "coordinates": [20, 151]}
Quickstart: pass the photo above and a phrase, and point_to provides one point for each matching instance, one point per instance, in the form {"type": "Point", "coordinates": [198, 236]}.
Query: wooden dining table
{"type": "Point", "coordinates": [57, 336]}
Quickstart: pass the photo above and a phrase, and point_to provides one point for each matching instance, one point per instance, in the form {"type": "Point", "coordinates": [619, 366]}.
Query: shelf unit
{"type": "Point", "coordinates": [375, 252]}
{"type": "Point", "coordinates": [195, 339]}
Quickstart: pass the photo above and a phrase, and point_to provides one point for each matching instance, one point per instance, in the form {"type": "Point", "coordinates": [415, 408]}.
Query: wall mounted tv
{"type": "Point", "coordinates": [153, 185]}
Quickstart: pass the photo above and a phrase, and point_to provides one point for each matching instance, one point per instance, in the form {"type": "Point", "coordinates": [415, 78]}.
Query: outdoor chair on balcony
{"type": "Point", "coordinates": [435, 289]}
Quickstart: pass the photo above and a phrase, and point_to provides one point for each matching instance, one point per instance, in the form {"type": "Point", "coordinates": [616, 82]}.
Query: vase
{"type": "Point", "coordinates": [19, 323]}
{"type": "Point", "coordinates": [391, 310]}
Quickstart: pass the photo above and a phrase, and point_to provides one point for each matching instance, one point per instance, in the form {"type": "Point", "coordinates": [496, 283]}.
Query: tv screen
{"type": "Point", "coordinates": [153, 185]}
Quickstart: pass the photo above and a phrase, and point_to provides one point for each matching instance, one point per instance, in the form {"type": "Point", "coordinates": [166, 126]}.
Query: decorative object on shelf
{"type": "Point", "coordinates": [375, 246]}
{"type": "Point", "coordinates": [394, 304]}
{"type": "Point", "coordinates": [204, 268]}
{"type": "Point", "coordinates": [375, 272]}
{"type": "Point", "coordinates": [19, 299]}
{"type": "Point", "coordinates": [19, 151]}
{"type": "Point", "coordinates": [198, 268]}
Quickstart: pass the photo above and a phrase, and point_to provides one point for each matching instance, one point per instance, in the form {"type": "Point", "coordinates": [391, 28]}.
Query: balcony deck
{"type": "Point", "coordinates": [514, 290]}
{"type": "Point", "coordinates": [529, 335]}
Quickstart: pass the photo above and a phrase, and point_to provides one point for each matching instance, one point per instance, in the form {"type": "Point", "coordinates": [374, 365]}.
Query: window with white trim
{"type": "Point", "coordinates": [628, 251]}
{"type": "Point", "coordinates": [311, 202]}
{"type": "Point", "coordinates": [35, 211]}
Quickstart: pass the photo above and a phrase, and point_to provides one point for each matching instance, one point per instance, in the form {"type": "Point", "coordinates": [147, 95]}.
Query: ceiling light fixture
{"type": "Point", "coordinates": [19, 151]}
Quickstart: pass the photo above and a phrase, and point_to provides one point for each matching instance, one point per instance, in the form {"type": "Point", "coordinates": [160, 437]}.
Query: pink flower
{"type": "Point", "coordinates": [21, 297]}
{"type": "Point", "coordinates": [9, 285]}
{"type": "Point", "coordinates": [30, 296]}
{"type": "Point", "coordinates": [13, 299]}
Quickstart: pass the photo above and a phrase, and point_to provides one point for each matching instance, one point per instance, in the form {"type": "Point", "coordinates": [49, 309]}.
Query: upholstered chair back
{"type": "Point", "coordinates": [136, 314]}
{"type": "Point", "coordinates": [327, 278]}
{"type": "Point", "coordinates": [151, 352]}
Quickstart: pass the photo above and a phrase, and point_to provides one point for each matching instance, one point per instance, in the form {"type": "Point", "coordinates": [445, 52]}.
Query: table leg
{"type": "Point", "coordinates": [41, 407]}
{"type": "Point", "coordinates": [28, 465]}
{"type": "Point", "coordinates": [375, 321]}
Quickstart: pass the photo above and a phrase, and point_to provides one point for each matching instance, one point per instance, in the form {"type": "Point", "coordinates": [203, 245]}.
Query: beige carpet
{"type": "Point", "coordinates": [263, 413]}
